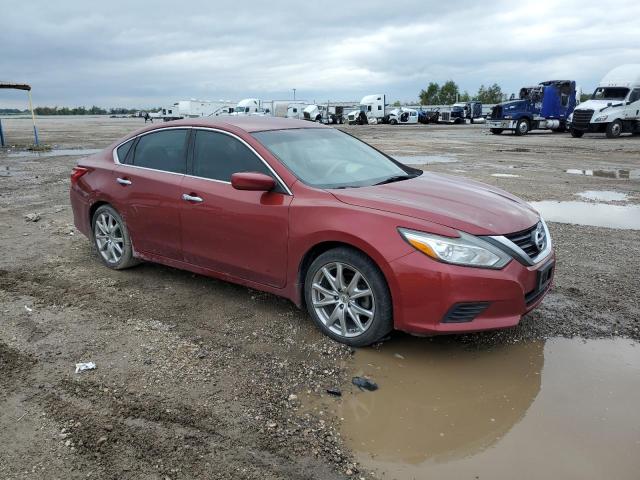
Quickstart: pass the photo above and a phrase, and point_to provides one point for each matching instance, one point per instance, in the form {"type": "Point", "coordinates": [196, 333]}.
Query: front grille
{"type": "Point", "coordinates": [496, 112]}
{"type": "Point", "coordinates": [464, 312]}
{"type": "Point", "coordinates": [581, 118]}
{"type": "Point", "coordinates": [524, 240]}
{"type": "Point", "coordinates": [444, 116]}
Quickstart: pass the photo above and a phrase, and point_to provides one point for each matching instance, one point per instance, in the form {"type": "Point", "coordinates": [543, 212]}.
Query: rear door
{"type": "Point", "coordinates": [240, 233]}
{"type": "Point", "coordinates": [148, 191]}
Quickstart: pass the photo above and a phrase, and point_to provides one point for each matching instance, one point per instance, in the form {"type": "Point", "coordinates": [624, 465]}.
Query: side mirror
{"type": "Point", "coordinates": [254, 181]}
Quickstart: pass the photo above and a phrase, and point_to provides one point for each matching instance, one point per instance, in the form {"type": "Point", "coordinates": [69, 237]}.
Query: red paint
{"type": "Point", "coordinates": [249, 233]}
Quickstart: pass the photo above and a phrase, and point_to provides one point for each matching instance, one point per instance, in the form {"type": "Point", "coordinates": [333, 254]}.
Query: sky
{"type": "Point", "coordinates": [143, 54]}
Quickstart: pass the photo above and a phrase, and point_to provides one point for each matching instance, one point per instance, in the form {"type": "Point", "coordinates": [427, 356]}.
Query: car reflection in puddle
{"type": "Point", "coordinates": [525, 410]}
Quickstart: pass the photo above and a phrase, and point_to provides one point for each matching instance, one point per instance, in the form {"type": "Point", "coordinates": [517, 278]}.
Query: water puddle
{"type": "Point", "coordinates": [560, 409]}
{"type": "Point", "coordinates": [55, 153]}
{"type": "Point", "coordinates": [603, 195]}
{"type": "Point", "coordinates": [625, 217]}
{"type": "Point", "coordinates": [505, 175]}
{"type": "Point", "coordinates": [424, 159]}
{"type": "Point", "coordinates": [633, 174]}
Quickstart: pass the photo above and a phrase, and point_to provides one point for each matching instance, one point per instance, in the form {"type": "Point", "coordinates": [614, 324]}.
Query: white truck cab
{"type": "Point", "coordinates": [403, 116]}
{"type": "Point", "coordinates": [250, 106]}
{"type": "Point", "coordinates": [372, 109]}
{"type": "Point", "coordinates": [295, 110]}
{"type": "Point", "coordinates": [614, 107]}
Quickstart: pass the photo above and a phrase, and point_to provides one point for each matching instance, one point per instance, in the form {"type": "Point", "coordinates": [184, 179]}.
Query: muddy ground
{"type": "Point", "coordinates": [197, 378]}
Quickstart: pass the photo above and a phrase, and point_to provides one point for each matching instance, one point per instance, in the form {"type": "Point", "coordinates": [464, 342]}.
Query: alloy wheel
{"type": "Point", "coordinates": [109, 237]}
{"type": "Point", "coordinates": [343, 299]}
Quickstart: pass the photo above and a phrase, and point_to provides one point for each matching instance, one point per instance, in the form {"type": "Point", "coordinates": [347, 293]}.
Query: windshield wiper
{"type": "Point", "coordinates": [396, 178]}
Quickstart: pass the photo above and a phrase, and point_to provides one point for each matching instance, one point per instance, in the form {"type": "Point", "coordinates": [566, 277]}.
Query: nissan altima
{"type": "Point", "coordinates": [363, 242]}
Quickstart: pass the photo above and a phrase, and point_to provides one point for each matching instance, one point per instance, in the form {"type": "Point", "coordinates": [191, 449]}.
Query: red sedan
{"type": "Point", "coordinates": [317, 216]}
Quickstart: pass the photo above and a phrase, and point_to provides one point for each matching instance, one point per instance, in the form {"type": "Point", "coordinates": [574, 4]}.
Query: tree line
{"type": "Point", "coordinates": [94, 110]}
{"type": "Point", "coordinates": [449, 93]}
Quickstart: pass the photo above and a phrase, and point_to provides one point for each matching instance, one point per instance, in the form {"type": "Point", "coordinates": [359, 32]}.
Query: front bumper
{"type": "Point", "coordinates": [504, 124]}
{"type": "Point", "coordinates": [425, 292]}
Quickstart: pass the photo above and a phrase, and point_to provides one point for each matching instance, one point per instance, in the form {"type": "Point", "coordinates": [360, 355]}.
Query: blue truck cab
{"type": "Point", "coordinates": [545, 106]}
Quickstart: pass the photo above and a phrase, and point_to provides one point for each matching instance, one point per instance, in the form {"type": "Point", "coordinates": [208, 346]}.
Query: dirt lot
{"type": "Point", "coordinates": [197, 378]}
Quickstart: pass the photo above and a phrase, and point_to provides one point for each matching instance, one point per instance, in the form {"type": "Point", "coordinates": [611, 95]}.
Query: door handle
{"type": "Point", "coordinates": [191, 198]}
{"type": "Point", "coordinates": [123, 181]}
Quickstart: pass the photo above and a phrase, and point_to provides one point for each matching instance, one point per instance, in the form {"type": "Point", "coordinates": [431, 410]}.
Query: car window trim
{"type": "Point", "coordinates": [189, 154]}
{"type": "Point", "coordinates": [278, 179]}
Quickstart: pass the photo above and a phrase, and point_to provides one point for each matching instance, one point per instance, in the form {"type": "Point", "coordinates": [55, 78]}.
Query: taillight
{"type": "Point", "coordinates": [76, 173]}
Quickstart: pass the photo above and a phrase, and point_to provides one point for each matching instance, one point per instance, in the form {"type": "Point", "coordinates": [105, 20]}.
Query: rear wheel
{"type": "Point", "coordinates": [111, 238]}
{"type": "Point", "coordinates": [497, 131]}
{"type": "Point", "coordinates": [576, 133]}
{"type": "Point", "coordinates": [348, 297]}
{"type": "Point", "coordinates": [522, 127]}
{"type": "Point", "coordinates": [614, 129]}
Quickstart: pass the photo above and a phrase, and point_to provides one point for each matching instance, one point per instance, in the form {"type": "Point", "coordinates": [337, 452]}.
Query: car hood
{"type": "Point", "coordinates": [455, 202]}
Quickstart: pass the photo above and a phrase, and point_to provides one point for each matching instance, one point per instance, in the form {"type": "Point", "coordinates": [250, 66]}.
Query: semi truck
{"type": "Point", "coordinates": [543, 106]}
{"type": "Point", "coordinates": [372, 110]}
{"type": "Point", "coordinates": [252, 106]}
{"type": "Point", "coordinates": [614, 107]}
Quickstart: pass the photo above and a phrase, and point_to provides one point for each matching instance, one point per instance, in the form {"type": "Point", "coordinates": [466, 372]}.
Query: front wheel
{"type": "Point", "coordinates": [497, 131]}
{"type": "Point", "coordinates": [393, 121]}
{"type": "Point", "coordinates": [111, 238]}
{"type": "Point", "coordinates": [614, 129]}
{"type": "Point", "coordinates": [576, 133]}
{"type": "Point", "coordinates": [522, 127]}
{"type": "Point", "coordinates": [348, 298]}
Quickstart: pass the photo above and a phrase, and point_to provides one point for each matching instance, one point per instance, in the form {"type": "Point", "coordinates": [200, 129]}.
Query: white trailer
{"type": "Point", "coordinates": [614, 107]}
{"type": "Point", "coordinates": [194, 109]}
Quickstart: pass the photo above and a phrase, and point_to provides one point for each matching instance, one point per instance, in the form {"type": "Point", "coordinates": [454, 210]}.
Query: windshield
{"type": "Point", "coordinates": [328, 158]}
{"type": "Point", "coordinates": [610, 93]}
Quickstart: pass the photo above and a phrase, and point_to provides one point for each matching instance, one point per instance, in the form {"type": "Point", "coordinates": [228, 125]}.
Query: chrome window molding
{"type": "Point", "coordinates": [519, 254]}
{"type": "Point", "coordinates": [116, 160]}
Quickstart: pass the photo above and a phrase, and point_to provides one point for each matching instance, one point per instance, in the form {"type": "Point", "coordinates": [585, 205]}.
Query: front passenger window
{"type": "Point", "coordinates": [635, 95]}
{"type": "Point", "coordinates": [162, 150]}
{"type": "Point", "coordinates": [218, 156]}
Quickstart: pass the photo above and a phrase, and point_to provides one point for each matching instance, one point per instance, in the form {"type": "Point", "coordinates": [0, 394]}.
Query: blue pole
{"type": "Point", "coordinates": [1, 135]}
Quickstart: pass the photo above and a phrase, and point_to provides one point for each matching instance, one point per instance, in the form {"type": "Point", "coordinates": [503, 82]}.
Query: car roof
{"type": "Point", "coordinates": [248, 123]}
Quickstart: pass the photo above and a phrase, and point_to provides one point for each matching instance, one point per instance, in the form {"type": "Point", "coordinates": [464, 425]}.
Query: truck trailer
{"type": "Point", "coordinates": [544, 106]}
{"type": "Point", "coordinates": [614, 107]}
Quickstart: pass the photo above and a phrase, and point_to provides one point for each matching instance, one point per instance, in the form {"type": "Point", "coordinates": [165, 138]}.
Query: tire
{"type": "Point", "coordinates": [108, 226]}
{"type": "Point", "coordinates": [497, 131]}
{"type": "Point", "coordinates": [329, 301]}
{"type": "Point", "coordinates": [576, 133]}
{"type": "Point", "coordinates": [614, 129]}
{"type": "Point", "coordinates": [393, 121]}
{"type": "Point", "coordinates": [522, 127]}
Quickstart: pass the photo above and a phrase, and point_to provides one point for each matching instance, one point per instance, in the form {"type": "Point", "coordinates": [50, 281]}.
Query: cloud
{"type": "Point", "coordinates": [153, 53]}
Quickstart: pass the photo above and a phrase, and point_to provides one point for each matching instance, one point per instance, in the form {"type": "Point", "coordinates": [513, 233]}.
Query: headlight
{"type": "Point", "coordinates": [508, 117]}
{"type": "Point", "coordinates": [465, 250]}
{"type": "Point", "coordinates": [601, 118]}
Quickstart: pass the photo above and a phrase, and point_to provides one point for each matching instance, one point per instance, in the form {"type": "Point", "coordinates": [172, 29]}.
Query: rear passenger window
{"type": "Point", "coordinates": [218, 156]}
{"type": "Point", "coordinates": [163, 150]}
{"type": "Point", "coordinates": [123, 150]}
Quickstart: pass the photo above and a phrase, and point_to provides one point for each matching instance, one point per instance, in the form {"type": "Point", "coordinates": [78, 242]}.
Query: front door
{"type": "Point", "coordinates": [240, 233]}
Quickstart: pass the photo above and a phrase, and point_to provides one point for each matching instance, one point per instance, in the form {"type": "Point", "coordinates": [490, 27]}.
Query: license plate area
{"type": "Point", "coordinates": [544, 276]}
